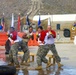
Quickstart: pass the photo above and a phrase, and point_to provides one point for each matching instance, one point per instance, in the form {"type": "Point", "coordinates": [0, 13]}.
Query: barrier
{"type": "Point", "coordinates": [35, 43]}
{"type": "Point", "coordinates": [4, 37]}
{"type": "Point", "coordinates": [31, 42]}
{"type": "Point", "coordinates": [32, 55]}
{"type": "Point", "coordinates": [51, 57]}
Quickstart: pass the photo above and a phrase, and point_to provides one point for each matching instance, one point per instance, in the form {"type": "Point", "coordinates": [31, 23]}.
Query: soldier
{"type": "Point", "coordinates": [49, 40]}
{"type": "Point", "coordinates": [42, 50]}
{"type": "Point", "coordinates": [14, 47]}
{"type": "Point", "coordinates": [26, 38]}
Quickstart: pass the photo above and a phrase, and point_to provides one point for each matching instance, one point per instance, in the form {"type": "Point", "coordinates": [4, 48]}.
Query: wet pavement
{"type": "Point", "coordinates": [50, 71]}
{"type": "Point", "coordinates": [67, 53]}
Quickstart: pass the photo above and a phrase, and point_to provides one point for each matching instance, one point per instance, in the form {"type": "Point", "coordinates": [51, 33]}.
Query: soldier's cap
{"type": "Point", "coordinates": [40, 27]}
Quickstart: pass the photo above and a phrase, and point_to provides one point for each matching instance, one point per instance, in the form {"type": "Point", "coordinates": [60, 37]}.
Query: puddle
{"type": "Point", "coordinates": [65, 58]}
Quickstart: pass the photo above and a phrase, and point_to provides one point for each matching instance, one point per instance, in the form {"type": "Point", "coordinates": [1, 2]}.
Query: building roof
{"type": "Point", "coordinates": [59, 17]}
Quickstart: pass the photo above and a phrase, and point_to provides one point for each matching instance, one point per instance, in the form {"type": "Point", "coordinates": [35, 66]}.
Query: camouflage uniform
{"type": "Point", "coordinates": [25, 50]}
{"type": "Point", "coordinates": [53, 50]}
{"type": "Point", "coordinates": [25, 45]}
{"type": "Point", "coordinates": [13, 53]}
{"type": "Point", "coordinates": [49, 40]}
{"type": "Point", "coordinates": [42, 52]}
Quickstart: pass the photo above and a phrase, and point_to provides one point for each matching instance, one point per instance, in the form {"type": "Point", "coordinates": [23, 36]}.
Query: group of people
{"type": "Point", "coordinates": [14, 42]}
{"type": "Point", "coordinates": [45, 39]}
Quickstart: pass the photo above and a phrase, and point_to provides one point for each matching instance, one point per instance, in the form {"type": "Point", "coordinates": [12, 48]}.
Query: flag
{"type": "Point", "coordinates": [39, 21]}
{"type": "Point", "coordinates": [19, 22]}
{"type": "Point", "coordinates": [12, 22]}
{"type": "Point", "coordinates": [27, 20]}
{"type": "Point", "coordinates": [49, 20]}
{"type": "Point", "coordinates": [3, 22]}
{"type": "Point", "coordinates": [0, 20]}
{"type": "Point", "coordinates": [24, 20]}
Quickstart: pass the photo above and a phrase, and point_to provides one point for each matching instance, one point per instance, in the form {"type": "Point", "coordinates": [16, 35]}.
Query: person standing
{"type": "Point", "coordinates": [49, 40]}
{"type": "Point", "coordinates": [42, 49]}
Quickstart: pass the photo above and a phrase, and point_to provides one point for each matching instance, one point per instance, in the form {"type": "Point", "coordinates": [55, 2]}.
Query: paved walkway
{"type": "Point", "coordinates": [67, 53]}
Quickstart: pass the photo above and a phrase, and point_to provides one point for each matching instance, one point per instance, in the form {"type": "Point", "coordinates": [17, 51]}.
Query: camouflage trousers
{"type": "Point", "coordinates": [13, 54]}
{"type": "Point", "coordinates": [26, 51]}
{"type": "Point", "coordinates": [55, 53]}
{"type": "Point", "coordinates": [42, 52]}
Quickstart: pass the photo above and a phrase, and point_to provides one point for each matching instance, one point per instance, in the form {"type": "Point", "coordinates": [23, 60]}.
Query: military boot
{"type": "Point", "coordinates": [59, 65]}
{"type": "Point", "coordinates": [25, 63]}
{"type": "Point", "coordinates": [38, 68]}
{"type": "Point", "coordinates": [10, 64]}
{"type": "Point", "coordinates": [17, 66]}
{"type": "Point", "coordinates": [48, 64]}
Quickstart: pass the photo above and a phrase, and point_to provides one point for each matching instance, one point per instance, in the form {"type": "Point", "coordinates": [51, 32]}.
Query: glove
{"type": "Point", "coordinates": [50, 32]}
{"type": "Point", "coordinates": [9, 35]}
{"type": "Point", "coordinates": [38, 35]}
